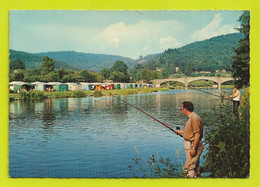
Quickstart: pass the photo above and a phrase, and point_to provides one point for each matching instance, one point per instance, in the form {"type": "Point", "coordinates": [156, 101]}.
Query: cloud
{"type": "Point", "coordinates": [214, 28]}
{"type": "Point", "coordinates": [169, 42]}
{"type": "Point", "coordinates": [120, 38]}
{"type": "Point", "coordinates": [141, 34]}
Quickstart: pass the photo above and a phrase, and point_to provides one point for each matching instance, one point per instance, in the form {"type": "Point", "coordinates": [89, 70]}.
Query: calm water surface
{"type": "Point", "coordinates": [97, 137]}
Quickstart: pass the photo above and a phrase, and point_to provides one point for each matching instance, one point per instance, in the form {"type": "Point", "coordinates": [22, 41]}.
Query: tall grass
{"type": "Point", "coordinates": [156, 167]}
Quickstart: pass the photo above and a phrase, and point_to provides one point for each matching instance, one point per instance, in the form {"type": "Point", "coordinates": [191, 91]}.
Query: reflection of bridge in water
{"type": "Point", "coordinates": [187, 80]}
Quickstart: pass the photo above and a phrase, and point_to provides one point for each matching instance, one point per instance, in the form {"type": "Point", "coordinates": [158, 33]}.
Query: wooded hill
{"type": "Point", "coordinates": [88, 61]}
{"type": "Point", "coordinates": [207, 55]}
{"type": "Point", "coordinates": [32, 61]}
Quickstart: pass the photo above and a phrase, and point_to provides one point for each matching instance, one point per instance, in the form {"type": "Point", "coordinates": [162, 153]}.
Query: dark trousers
{"type": "Point", "coordinates": [235, 107]}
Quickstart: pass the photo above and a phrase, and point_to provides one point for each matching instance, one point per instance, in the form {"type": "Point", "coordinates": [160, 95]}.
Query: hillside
{"type": "Point", "coordinates": [89, 61]}
{"type": "Point", "coordinates": [34, 61]}
{"type": "Point", "coordinates": [207, 55]}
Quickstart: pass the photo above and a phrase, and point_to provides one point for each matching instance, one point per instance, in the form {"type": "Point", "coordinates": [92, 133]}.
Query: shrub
{"type": "Point", "coordinates": [156, 167]}
{"type": "Point", "coordinates": [31, 95]}
{"type": "Point", "coordinates": [228, 139]}
{"type": "Point", "coordinates": [97, 93]}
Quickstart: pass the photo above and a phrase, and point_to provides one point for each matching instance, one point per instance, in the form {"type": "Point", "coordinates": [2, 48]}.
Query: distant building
{"type": "Point", "coordinates": [107, 81]}
{"type": "Point", "coordinates": [221, 71]}
{"type": "Point", "coordinates": [74, 86]}
{"type": "Point", "coordinates": [205, 72]}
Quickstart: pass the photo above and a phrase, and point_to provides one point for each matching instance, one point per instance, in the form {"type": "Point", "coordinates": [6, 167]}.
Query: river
{"type": "Point", "coordinates": [98, 137]}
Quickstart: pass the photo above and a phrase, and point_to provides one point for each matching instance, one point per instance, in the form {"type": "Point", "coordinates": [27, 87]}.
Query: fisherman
{"type": "Point", "coordinates": [192, 134]}
{"type": "Point", "coordinates": [236, 99]}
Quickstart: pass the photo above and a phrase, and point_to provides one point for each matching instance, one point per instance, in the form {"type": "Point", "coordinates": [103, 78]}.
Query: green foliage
{"type": "Point", "coordinates": [95, 62]}
{"type": "Point", "coordinates": [241, 61]}
{"type": "Point", "coordinates": [78, 93]}
{"type": "Point", "coordinates": [34, 61]}
{"type": "Point", "coordinates": [120, 66]}
{"type": "Point", "coordinates": [86, 76]}
{"type": "Point", "coordinates": [105, 73]}
{"type": "Point", "coordinates": [117, 76]}
{"type": "Point", "coordinates": [97, 93]}
{"type": "Point", "coordinates": [16, 76]}
{"type": "Point", "coordinates": [118, 73]}
{"type": "Point", "coordinates": [16, 64]}
{"type": "Point", "coordinates": [31, 95]}
{"type": "Point", "coordinates": [147, 75]}
{"type": "Point", "coordinates": [156, 167]}
{"type": "Point", "coordinates": [209, 55]}
{"type": "Point", "coordinates": [47, 65]}
{"type": "Point", "coordinates": [201, 83]}
{"type": "Point", "coordinates": [60, 94]}
{"type": "Point", "coordinates": [173, 85]}
{"type": "Point", "coordinates": [228, 139]}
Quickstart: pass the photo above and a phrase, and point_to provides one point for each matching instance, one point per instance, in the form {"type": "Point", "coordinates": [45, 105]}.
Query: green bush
{"type": "Point", "coordinates": [23, 95]}
{"type": "Point", "coordinates": [31, 95]}
{"type": "Point", "coordinates": [97, 93]}
{"type": "Point", "coordinates": [228, 139]}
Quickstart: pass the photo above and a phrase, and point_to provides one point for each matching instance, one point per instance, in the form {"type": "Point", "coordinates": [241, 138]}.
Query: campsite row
{"type": "Point", "coordinates": [17, 86]}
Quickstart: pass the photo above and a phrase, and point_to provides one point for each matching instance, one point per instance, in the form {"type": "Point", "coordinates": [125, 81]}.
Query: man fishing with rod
{"type": "Point", "coordinates": [192, 134]}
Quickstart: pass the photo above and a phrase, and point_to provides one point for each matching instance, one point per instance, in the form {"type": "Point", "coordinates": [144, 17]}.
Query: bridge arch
{"type": "Point", "coordinates": [205, 79]}
{"type": "Point", "coordinates": [172, 82]}
{"type": "Point", "coordinates": [227, 80]}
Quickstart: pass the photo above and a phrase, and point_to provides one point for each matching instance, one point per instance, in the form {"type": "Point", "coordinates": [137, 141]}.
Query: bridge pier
{"type": "Point", "coordinates": [186, 86]}
{"type": "Point", "coordinates": [219, 86]}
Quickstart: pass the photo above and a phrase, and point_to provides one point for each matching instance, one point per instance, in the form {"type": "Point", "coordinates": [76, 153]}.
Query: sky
{"type": "Point", "coordinates": [124, 33]}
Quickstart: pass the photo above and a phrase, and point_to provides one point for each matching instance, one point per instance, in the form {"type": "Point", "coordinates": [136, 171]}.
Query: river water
{"type": "Point", "coordinates": [98, 137]}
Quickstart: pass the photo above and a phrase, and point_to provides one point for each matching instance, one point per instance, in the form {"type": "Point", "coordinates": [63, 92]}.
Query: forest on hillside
{"type": "Point", "coordinates": [208, 55]}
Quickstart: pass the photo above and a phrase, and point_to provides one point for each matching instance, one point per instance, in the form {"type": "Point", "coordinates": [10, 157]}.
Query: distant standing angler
{"type": "Point", "coordinates": [192, 134]}
{"type": "Point", "coordinates": [236, 99]}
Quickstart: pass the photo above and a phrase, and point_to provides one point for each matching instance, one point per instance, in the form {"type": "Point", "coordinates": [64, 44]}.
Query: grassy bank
{"type": "Point", "coordinates": [76, 94]}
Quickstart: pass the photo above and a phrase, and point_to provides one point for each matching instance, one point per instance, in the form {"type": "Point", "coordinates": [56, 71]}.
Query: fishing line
{"type": "Point", "coordinates": [151, 116]}
{"type": "Point", "coordinates": [210, 93]}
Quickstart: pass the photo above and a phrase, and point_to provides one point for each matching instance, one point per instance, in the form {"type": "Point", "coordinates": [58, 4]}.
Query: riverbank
{"type": "Point", "coordinates": [95, 93]}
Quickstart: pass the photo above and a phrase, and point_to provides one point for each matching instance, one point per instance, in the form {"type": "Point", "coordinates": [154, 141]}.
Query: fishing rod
{"type": "Point", "coordinates": [211, 93]}
{"type": "Point", "coordinates": [177, 128]}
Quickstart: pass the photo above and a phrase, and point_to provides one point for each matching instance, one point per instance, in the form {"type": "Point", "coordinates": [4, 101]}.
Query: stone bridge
{"type": "Point", "coordinates": [187, 80]}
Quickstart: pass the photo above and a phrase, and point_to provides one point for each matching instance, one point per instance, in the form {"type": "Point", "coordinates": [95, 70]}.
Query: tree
{"type": "Point", "coordinates": [117, 76]}
{"type": "Point", "coordinates": [16, 76]}
{"type": "Point", "coordinates": [105, 73]}
{"type": "Point", "coordinates": [86, 76]}
{"type": "Point", "coordinates": [121, 67]}
{"type": "Point", "coordinates": [50, 77]}
{"type": "Point", "coordinates": [47, 65]}
{"type": "Point", "coordinates": [147, 75]}
{"type": "Point", "coordinates": [16, 64]}
{"type": "Point", "coordinates": [165, 72]}
{"type": "Point", "coordinates": [241, 61]}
